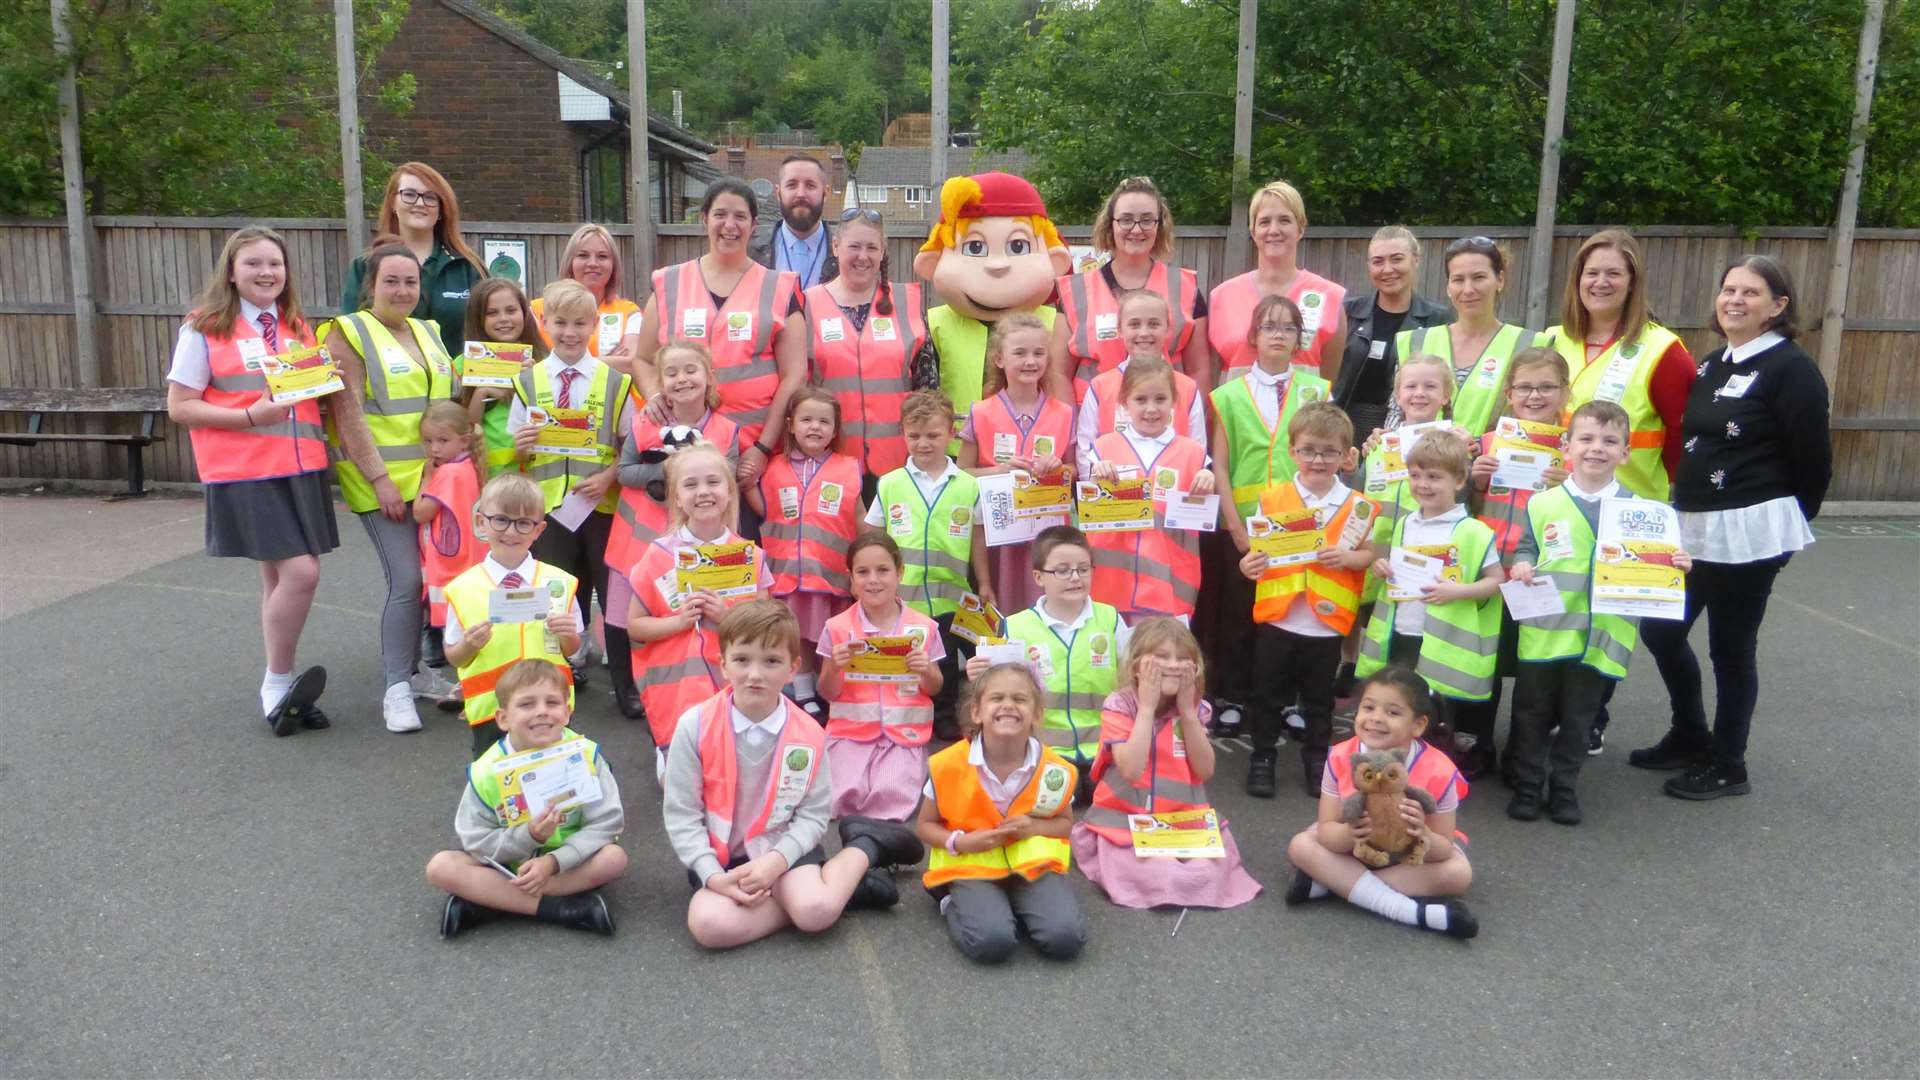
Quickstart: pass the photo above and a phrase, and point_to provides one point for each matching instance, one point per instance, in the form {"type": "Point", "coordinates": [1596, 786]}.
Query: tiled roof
{"type": "Point", "coordinates": [911, 166]}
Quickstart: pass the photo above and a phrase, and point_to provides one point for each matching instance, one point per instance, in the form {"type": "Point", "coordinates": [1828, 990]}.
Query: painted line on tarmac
{"type": "Point", "coordinates": [889, 1037]}
{"type": "Point", "coordinates": [1861, 630]}
{"type": "Point", "coordinates": [164, 587]}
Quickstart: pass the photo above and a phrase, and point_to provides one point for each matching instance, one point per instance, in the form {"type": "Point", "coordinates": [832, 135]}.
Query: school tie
{"type": "Point", "coordinates": [513, 580]}
{"type": "Point", "coordinates": [563, 399]}
{"type": "Point", "coordinates": [269, 332]}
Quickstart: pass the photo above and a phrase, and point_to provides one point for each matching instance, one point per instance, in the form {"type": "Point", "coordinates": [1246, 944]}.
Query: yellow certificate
{"type": "Point", "coordinates": [306, 372]}
{"type": "Point", "coordinates": [1288, 539]}
{"type": "Point", "coordinates": [1177, 834]}
{"type": "Point", "coordinates": [883, 659]}
{"type": "Point", "coordinates": [493, 363]}
{"type": "Point", "coordinates": [1114, 505]}
{"type": "Point", "coordinates": [721, 569]}
{"type": "Point", "coordinates": [561, 775]}
{"type": "Point", "coordinates": [564, 432]}
{"type": "Point", "coordinates": [977, 621]}
{"type": "Point", "coordinates": [1033, 497]}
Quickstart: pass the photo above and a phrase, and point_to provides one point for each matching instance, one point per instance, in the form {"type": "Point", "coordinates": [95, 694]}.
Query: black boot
{"type": "Point", "coordinates": [1525, 804]}
{"type": "Point", "coordinates": [1673, 752]}
{"type": "Point", "coordinates": [583, 911]}
{"type": "Point", "coordinates": [887, 843]}
{"type": "Point", "coordinates": [1260, 773]}
{"type": "Point", "coordinates": [876, 892]}
{"type": "Point", "coordinates": [1563, 807]}
{"type": "Point", "coordinates": [462, 914]}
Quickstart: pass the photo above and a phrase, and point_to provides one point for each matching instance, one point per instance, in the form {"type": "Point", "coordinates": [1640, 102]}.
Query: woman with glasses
{"type": "Point", "coordinates": [1136, 227]}
{"type": "Point", "coordinates": [1373, 319]}
{"type": "Point", "coordinates": [592, 259]}
{"type": "Point", "coordinates": [1478, 345]}
{"type": "Point", "coordinates": [420, 209]}
{"type": "Point", "coordinates": [1277, 218]}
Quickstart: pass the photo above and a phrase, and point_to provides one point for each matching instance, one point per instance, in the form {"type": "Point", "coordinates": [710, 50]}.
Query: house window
{"type": "Point", "coordinates": [917, 196]}
{"type": "Point", "coordinates": [604, 194]}
{"type": "Point", "coordinates": [873, 193]}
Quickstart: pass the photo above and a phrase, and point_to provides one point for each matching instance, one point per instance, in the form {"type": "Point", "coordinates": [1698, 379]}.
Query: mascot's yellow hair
{"type": "Point", "coordinates": [956, 193]}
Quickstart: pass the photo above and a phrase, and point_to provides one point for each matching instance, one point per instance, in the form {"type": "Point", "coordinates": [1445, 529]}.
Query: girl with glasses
{"type": "Point", "coordinates": [419, 207]}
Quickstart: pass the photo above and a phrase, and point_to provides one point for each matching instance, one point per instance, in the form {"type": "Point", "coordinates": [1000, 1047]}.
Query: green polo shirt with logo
{"type": "Point", "coordinates": [445, 281]}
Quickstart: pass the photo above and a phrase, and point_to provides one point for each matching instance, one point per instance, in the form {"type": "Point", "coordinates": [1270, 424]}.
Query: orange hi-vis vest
{"type": "Point", "coordinates": [1230, 318]}
{"type": "Point", "coordinates": [677, 672]}
{"type": "Point", "coordinates": [965, 805]}
{"type": "Point", "coordinates": [1105, 389]}
{"type": "Point", "coordinates": [1168, 784]}
{"type": "Point", "coordinates": [869, 370]}
{"type": "Point", "coordinates": [1333, 594]}
{"type": "Point", "coordinates": [1092, 311]}
{"type": "Point", "coordinates": [293, 446]}
{"type": "Point", "coordinates": [796, 765]}
{"type": "Point", "coordinates": [739, 334]}
{"type": "Point", "coordinates": [610, 324]}
{"type": "Point", "coordinates": [456, 487]}
{"type": "Point", "coordinates": [1157, 570]}
{"type": "Point", "coordinates": [642, 520]}
{"type": "Point", "coordinates": [998, 438]}
{"type": "Point", "coordinates": [1427, 769]}
{"type": "Point", "coordinates": [866, 711]}
{"type": "Point", "coordinates": [808, 527]}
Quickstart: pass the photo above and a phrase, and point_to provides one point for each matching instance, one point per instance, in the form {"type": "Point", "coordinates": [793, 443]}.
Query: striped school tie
{"type": "Point", "coordinates": [269, 332]}
{"type": "Point", "coordinates": [512, 581]}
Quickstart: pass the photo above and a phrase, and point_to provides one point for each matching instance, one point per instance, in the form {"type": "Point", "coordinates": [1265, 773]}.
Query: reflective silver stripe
{"type": "Point", "coordinates": [1418, 344]}
{"type": "Point", "coordinates": [866, 429]}
{"type": "Point", "coordinates": [840, 386]}
{"type": "Point", "coordinates": [856, 384]}
{"type": "Point", "coordinates": [547, 470]}
{"type": "Point", "coordinates": [752, 369]}
{"type": "Point", "coordinates": [376, 368]}
{"type": "Point", "coordinates": [1372, 647]}
{"type": "Point", "coordinates": [410, 452]}
{"type": "Point", "coordinates": [941, 590]}
{"type": "Point", "coordinates": [806, 567]}
{"type": "Point", "coordinates": [396, 406]}
{"type": "Point", "coordinates": [437, 595]}
{"type": "Point", "coordinates": [1462, 638]}
{"type": "Point", "coordinates": [1105, 815]}
{"type": "Point", "coordinates": [663, 674]}
{"type": "Point", "coordinates": [1060, 699]}
{"type": "Point", "coordinates": [670, 315]}
{"type": "Point", "coordinates": [931, 559]}
{"type": "Point", "coordinates": [1567, 580]}
{"type": "Point", "coordinates": [234, 384]}
{"type": "Point", "coordinates": [1447, 674]}
{"type": "Point", "coordinates": [1078, 290]}
{"type": "Point", "coordinates": [1176, 304]}
{"type": "Point", "coordinates": [300, 430]}
{"type": "Point", "coordinates": [1565, 620]}
{"type": "Point", "coordinates": [1163, 788]}
{"type": "Point", "coordinates": [1057, 736]}
{"type": "Point", "coordinates": [1612, 648]}
{"type": "Point", "coordinates": [880, 712]}
{"type": "Point", "coordinates": [1133, 564]}
{"type": "Point", "coordinates": [763, 324]}
{"type": "Point", "coordinates": [751, 417]}
{"type": "Point", "coordinates": [611, 401]}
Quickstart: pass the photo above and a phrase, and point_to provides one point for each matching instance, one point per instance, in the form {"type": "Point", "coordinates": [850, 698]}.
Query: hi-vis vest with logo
{"type": "Point", "coordinates": [1427, 769]}
{"type": "Point", "coordinates": [865, 711]}
{"type": "Point", "coordinates": [1257, 455]}
{"type": "Point", "coordinates": [1333, 594]}
{"type": "Point", "coordinates": [964, 804]}
{"type": "Point", "coordinates": [1104, 391]}
{"type": "Point", "coordinates": [511, 642]}
{"type": "Point", "coordinates": [642, 519]}
{"type": "Point", "coordinates": [606, 403]}
{"type": "Point", "coordinates": [1504, 510]}
{"type": "Point", "coordinates": [1092, 312]}
{"type": "Point", "coordinates": [609, 328]}
{"type": "Point", "coordinates": [796, 763]}
{"type": "Point", "coordinates": [293, 446]}
{"type": "Point", "coordinates": [396, 391]}
{"type": "Point", "coordinates": [1477, 401]}
{"type": "Point", "coordinates": [807, 530]}
{"type": "Point", "coordinates": [1604, 643]}
{"type": "Point", "coordinates": [1230, 318]}
{"type": "Point", "coordinates": [1080, 671]}
{"type": "Point", "coordinates": [740, 335]}
{"type": "Point", "coordinates": [1621, 374]}
{"type": "Point", "coordinates": [1166, 786]}
{"type": "Point", "coordinates": [1461, 641]}
{"type": "Point", "coordinates": [935, 537]}
{"type": "Point", "coordinates": [486, 785]}
{"type": "Point", "coordinates": [961, 341]}
{"type": "Point", "coordinates": [869, 370]}
{"type": "Point", "coordinates": [679, 671]}
{"type": "Point", "coordinates": [998, 438]}
{"type": "Point", "coordinates": [1154, 570]}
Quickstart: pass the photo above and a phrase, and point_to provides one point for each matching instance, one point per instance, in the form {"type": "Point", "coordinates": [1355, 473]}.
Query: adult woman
{"type": "Point", "coordinates": [394, 366]}
{"type": "Point", "coordinates": [1370, 359]}
{"type": "Point", "coordinates": [1757, 462]}
{"type": "Point", "coordinates": [865, 337]}
{"type": "Point", "coordinates": [420, 209]}
{"type": "Point", "coordinates": [1277, 220]}
{"type": "Point", "coordinates": [1617, 353]}
{"type": "Point", "coordinates": [592, 260]}
{"type": "Point", "coordinates": [263, 466]}
{"type": "Point", "coordinates": [1136, 226]}
{"type": "Point", "coordinates": [1477, 343]}
{"type": "Point", "coordinates": [750, 317]}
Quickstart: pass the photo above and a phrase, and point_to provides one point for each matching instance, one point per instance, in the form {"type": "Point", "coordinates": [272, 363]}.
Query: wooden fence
{"type": "Point", "coordinates": [150, 268]}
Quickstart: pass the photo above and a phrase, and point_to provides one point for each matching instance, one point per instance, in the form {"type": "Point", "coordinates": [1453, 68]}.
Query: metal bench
{"type": "Point", "coordinates": [145, 402]}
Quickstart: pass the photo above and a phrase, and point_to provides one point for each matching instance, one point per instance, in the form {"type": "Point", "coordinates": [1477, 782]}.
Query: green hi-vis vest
{"type": "Point", "coordinates": [1259, 456]}
{"type": "Point", "coordinates": [396, 391]}
{"type": "Point", "coordinates": [961, 341]}
{"type": "Point", "coordinates": [606, 404]}
{"type": "Point", "coordinates": [935, 538]}
{"type": "Point", "coordinates": [1604, 643]}
{"type": "Point", "coordinates": [487, 785]}
{"type": "Point", "coordinates": [1461, 641]}
{"type": "Point", "coordinates": [1477, 401]}
{"type": "Point", "coordinates": [1081, 673]}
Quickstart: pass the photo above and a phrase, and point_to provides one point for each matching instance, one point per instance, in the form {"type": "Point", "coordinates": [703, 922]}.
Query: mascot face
{"type": "Point", "coordinates": [993, 251]}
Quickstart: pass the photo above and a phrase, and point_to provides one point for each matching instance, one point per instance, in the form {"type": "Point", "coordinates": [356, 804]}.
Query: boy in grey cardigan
{"type": "Point", "coordinates": [547, 866]}
{"type": "Point", "coordinates": [748, 796]}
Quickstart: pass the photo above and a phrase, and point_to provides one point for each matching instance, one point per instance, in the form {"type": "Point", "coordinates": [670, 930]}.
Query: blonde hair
{"type": "Point", "coordinates": [971, 693]}
{"type": "Point", "coordinates": [1135, 185]}
{"type": "Point", "coordinates": [218, 307]}
{"type": "Point", "coordinates": [512, 494]}
{"type": "Point", "coordinates": [1288, 195]}
{"type": "Point", "coordinates": [682, 460]}
{"type": "Point", "coordinates": [1637, 312]}
{"type": "Point", "coordinates": [1150, 634]}
{"type": "Point", "coordinates": [453, 416]}
{"type": "Point", "coordinates": [760, 622]}
{"type": "Point", "coordinates": [1441, 450]}
{"type": "Point", "coordinates": [924, 404]}
{"type": "Point", "coordinates": [1002, 330]}
{"type": "Point", "coordinates": [1401, 233]}
{"type": "Point", "coordinates": [567, 298]}
{"type": "Point", "coordinates": [524, 674]}
{"type": "Point", "coordinates": [579, 237]}
{"type": "Point", "coordinates": [446, 229]}
{"type": "Point", "coordinates": [1321, 420]}
{"type": "Point", "coordinates": [1143, 369]}
{"type": "Point", "coordinates": [699, 352]}
{"type": "Point", "coordinates": [1145, 296]}
{"type": "Point", "coordinates": [1447, 386]}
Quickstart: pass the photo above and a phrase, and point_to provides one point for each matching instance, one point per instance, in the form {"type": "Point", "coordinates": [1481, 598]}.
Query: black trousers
{"type": "Point", "coordinates": [583, 554]}
{"type": "Point", "coordinates": [1478, 718]}
{"type": "Point", "coordinates": [1733, 596]}
{"type": "Point", "coordinates": [1294, 667]}
{"type": "Point", "coordinates": [953, 668]}
{"type": "Point", "coordinates": [1223, 620]}
{"type": "Point", "coordinates": [1556, 692]}
{"type": "Point", "coordinates": [1404, 649]}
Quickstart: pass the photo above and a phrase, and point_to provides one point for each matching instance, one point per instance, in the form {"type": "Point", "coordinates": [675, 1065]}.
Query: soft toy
{"type": "Point", "coordinates": [1379, 783]}
{"type": "Point", "coordinates": [993, 252]}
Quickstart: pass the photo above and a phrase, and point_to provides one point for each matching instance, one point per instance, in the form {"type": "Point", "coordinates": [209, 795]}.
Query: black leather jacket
{"type": "Point", "coordinates": [1420, 312]}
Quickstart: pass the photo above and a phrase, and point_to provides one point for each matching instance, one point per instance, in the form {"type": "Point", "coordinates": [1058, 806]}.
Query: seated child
{"type": "Point", "coordinates": [557, 857]}
{"type": "Point", "coordinates": [1394, 709]}
{"type": "Point", "coordinates": [995, 820]}
{"type": "Point", "coordinates": [747, 795]}
{"type": "Point", "coordinates": [1155, 758]}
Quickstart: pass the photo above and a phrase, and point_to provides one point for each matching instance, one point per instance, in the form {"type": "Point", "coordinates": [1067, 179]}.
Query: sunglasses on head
{"type": "Point", "coordinates": [871, 216]}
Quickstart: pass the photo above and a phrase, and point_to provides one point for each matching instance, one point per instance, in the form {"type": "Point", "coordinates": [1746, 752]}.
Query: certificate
{"type": "Point", "coordinates": [1177, 834]}
{"type": "Point", "coordinates": [564, 433]}
{"type": "Point", "coordinates": [1529, 434]}
{"type": "Point", "coordinates": [560, 775]}
{"type": "Point", "coordinates": [721, 569]}
{"type": "Point", "coordinates": [1194, 513]}
{"type": "Point", "coordinates": [1005, 652]}
{"type": "Point", "coordinates": [1288, 539]}
{"type": "Point", "coordinates": [1000, 521]}
{"type": "Point", "coordinates": [1114, 505]}
{"type": "Point", "coordinates": [493, 363]}
{"type": "Point", "coordinates": [1416, 569]}
{"type": "Point", "coordinates": [573, 510]}
{"type": "Point", "coordinates": [1395, 445]}
{"type": "Point", "coordinates": [523, 605]}
{"type": "Point", "coordinates": [883, 659]}
{"type": "Point", "coordinates": [1538, 600]}
{"type": "Point", "coordinates": [305, 373]}
{"type": "Point", "coordinates": [1522, 470]}
{"type": "Point", "coordinates": [1043, 498]}
{"type": "Point", "coordinates": [977, 621]}
{"type": "Point", "coordinates": [1633, 571]}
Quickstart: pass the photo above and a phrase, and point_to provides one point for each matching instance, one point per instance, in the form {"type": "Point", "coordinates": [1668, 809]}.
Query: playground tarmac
{"type": "Point", "coordinates": [186, 895]}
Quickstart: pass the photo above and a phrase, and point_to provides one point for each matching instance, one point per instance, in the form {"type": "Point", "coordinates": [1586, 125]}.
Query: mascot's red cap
{"type": "Point", "coordinates": [1002, 195]}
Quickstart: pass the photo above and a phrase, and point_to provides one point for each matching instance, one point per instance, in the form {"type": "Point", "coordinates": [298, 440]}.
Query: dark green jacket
{"type": "Point", "coordinates": [445, 281]}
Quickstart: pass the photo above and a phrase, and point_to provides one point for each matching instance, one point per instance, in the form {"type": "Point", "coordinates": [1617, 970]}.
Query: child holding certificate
{"type": "Point", "coordinates": [1154, 763]}
{"type": "Point", "coordinates": [995, 819]}
{"type": "Point", "coordinates": [879, 669]}
{"type": "Point", "coordinates": [1568, 660]}
{"type": "Point", "coordinates": [1145, 325]}
{"type": "Point", "coordinates": [510, 606]}
{"type": "Point", "coordinates": [1307, 594]}
{"type": "Point", "coordinates": [497, 313]}
{"type": "Point", "coordinates": [748, 789]}
{"type": "Point", "coordinates": [683, 583]}
{"type": "Point", "coordinates": [1394, 711]}
{"type": "Point", "coordinates": [519, 852]}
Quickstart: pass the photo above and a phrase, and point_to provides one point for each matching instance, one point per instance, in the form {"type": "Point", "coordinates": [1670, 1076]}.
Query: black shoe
{"type": "Point", "coordinates": [1260, 773]}
{"type": "Point", "coordinates": [1524, 806]}
{"type": "Point", "coordinates": [1313, 771]}
{"type": "Point", "coordinates": [887, 843]}
{"type": "Point", "coordinates": [1229, 719]}
{"type": "Point", "coordinates": [1293, 722]}
{"type": "Point", "coordinates": [1460, 920]}
{"type": "Point", "coordinates": [1562, 807]}
{"type": "Point", "coordinates": [627, 702]}
{"type": "Point", "coordinates": [1710, 782]}
{"type": "Point", "coordinates": [314, 720]}
{"type": "Point", "coordinates": [1669, 754]}
{"type": "Point", "coordinates": [462, 914]}
{"type": "Point", "coordinates": [579, 678]}
{"type": "Point", "coordinates": [286, 717]}
{"type": "Point", "coordinates": [876, 892]}
{"type": "Point", "coordinates": [1596, 740]}
{"type": "Point", "coordinates": [1299, 890]}
{"type": "Point", "coordinates": [582, 911]}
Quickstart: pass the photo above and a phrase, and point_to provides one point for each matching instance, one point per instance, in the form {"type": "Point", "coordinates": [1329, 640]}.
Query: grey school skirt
{"type": "Point", "coordinates": [269, 520]}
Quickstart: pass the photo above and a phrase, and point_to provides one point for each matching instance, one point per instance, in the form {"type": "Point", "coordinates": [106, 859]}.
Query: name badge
{"type": "Point", "coordinates": [1736, 385]}
{"type": "Point", "coordinates": [898, 523]}
{"type": "Point", "coordinates": [1054, 790]}
{"type": "Point", "coordinates": [1106, 327]}
{"type": "Point", "coordinates": [883, 329]}
{"type": "Point", "coordinates": [789, 502]}
{"type": "Point", "coordinates": [740, 326]}
{"type": "Point", "coordinates": [1312, 309]}
{"type": "Point", "coordinates": [1377, 350]}
{"type": "Point", "coordinates": [693, 323]}
{"type": "Point", "coordinates": [610, 326]}
{"type": "Point", "coordinates": [1555, 542]}
{"type": "Point", "coordinates": [397, 361]}
{"type": "Point", "coordinates": [1100, 651]}
{"type": "Point", "coordinates": [1619, 370]}
{"type": "Point", "coordinates": [796, 775]}
{"type": "Point", "coordinates": [831, 495]}
{"type": "Point", "coordinates": [253, 350]}
{"type": "Point", "coordinates": [1005, 445]}
{"type": "Point", "coordinates": [960, 521]}
{"type": "Point", "coordinates": [833, 329]}
{"type": "Point", "coordinates": [1043, 446]}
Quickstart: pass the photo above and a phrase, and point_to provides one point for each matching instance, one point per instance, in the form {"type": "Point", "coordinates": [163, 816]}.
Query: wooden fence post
{"type": "Point", "coordinates": [939, 137]}
{"type": "Point", "coordinates": [1237, 253]}
{"type": "Point", "coordinates": [1540, 257]}
{"type": "Point", "coordinates": [86, 348]}
{"type": "Point", "coordinates": [638, 120]}
{"type": "Point", "coordinates": [1833, 319]}
{"type": "Point", "coordinates": [347, 77]}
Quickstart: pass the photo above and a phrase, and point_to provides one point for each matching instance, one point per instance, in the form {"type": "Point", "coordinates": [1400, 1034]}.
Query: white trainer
{"type": "Point", "coordinates": [429, 685]}
{"type": "Point", "coordinates": [398, 709]}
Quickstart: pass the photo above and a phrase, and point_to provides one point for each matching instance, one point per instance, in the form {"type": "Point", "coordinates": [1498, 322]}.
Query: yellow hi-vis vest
{"type": "Point", "coordinates": [396, 391]}
{"type": "Point", "coordinates": [1621, 375]}
{"type": "Point", "coordinates": [1604, 643]}
{"type": "Point", "coordinates": [1460, 643]}
{"type": "Point", "coordinates": [606, 405]}
{"type": "Point", "coordinates": [511, 642]}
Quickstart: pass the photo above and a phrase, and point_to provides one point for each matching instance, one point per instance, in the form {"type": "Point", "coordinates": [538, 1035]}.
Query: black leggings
{"type": "Point", "coordinates": [1734, 598]}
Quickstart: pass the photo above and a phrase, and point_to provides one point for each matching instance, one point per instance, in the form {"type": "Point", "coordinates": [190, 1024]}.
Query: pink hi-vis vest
{"type": "Point", "coordinates": [865, 711]}
{"type": "Point", "coordinates": [1093, 318]}
{"type": "Point", "coordinates": [796, 763]}
{"type": "Point", "coordinates": [739, 334]}
{"type": "Point", "coordinates": [1230, 318]}
{"type": "Point", "coordinates": [999, 439]}
{"type": "Point", "coordinates": [1427, 769]}
{"type": "Point", "coordinates": [642, 520]}
{"type": "Point", "coordinates": [293, 446]}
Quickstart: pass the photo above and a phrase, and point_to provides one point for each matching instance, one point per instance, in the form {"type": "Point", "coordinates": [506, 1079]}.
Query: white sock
{"type": "Point", "coordinates": [273, 687]}
{"type": "Point", "coordinates": [1384, 900]}
{"type": "Point", "coordinates": [660, 766]}
{"type": "Point", "coordinates": [1316, 891]}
